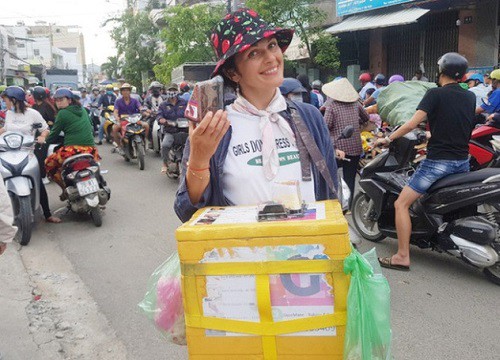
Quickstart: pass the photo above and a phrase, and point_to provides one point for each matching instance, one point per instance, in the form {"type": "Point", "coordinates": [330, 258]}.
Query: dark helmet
{"type": "Point", "coordinates": [453, 65]}
{"type": "Point", "coordinates": [380, 79]}
{"type": "Point", "coordinates": [15, 92]}
{"type": "Point", "coordinates": [39, 93]}
{"type": "Point", "coordinates": [63, 92]}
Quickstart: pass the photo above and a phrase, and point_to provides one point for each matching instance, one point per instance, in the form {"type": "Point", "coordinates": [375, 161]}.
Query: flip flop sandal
{"type": "Point", "coordinates": [386, 262]}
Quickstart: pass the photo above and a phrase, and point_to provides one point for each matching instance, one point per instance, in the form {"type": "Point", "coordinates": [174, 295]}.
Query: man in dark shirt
{"type": "Point", "coordinates": [171, 109]}
{"type": "Point", "coordinates": [449, 109]}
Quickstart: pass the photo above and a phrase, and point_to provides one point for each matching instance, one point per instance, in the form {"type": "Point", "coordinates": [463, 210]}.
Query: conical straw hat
{"type": "Point", "coordinates": [341, 90]}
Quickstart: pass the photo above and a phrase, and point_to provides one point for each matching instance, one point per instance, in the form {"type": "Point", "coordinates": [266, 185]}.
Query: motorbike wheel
{"type": "Point", "coordinates": [141, 154]}
{"type": "Point", "coordinates": [96, 216]}
{"type": "Point", "coordinates": [23, 219]}
{"type": "Point", "coordinates": [493, 273]}
{"type": "Point", "coordinates": [109, 135]}
{"type": "Point", "coordinates": [366, 228]}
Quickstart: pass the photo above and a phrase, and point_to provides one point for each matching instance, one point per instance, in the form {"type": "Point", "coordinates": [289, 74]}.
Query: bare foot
{"type": "Point", "coordinates": [164, 169]}
{"type": "Point", "coordinates": [53, 219]}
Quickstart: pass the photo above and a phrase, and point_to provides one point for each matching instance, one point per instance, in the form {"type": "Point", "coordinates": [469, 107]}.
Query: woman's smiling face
{"type": "Point", "coordinates": [260, 67]}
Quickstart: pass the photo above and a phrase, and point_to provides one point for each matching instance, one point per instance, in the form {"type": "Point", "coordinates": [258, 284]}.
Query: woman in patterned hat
{"type": "Point", "coordinates": [234, 157]}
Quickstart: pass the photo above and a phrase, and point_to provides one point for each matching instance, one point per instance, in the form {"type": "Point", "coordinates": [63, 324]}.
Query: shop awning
{"type": "Point", "coordinates": [373, 20]}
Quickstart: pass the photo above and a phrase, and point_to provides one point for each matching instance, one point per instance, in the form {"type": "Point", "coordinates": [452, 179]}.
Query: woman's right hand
{"type": "Point", "coordinates": [205, 137]}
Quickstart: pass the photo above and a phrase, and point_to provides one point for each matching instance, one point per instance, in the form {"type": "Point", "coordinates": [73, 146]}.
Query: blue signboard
{"type": "Point", "coordinates": [347, 7]}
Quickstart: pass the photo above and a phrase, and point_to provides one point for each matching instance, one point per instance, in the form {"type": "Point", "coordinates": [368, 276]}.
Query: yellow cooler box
{"type": "Point", "coordinates": [264, 290]}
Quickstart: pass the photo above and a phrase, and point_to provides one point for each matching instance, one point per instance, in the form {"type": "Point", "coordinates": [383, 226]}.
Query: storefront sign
{"type": "Point", "coordinates": [347, 7]}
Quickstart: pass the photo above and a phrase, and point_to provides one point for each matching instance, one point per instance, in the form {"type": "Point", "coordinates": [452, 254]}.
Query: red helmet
{"type": "Point", "coordinates": [184, 86]}
{"type": "Point", "coordinates": [365, 77]}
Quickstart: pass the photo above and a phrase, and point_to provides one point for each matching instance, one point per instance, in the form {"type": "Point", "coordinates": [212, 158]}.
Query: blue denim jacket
{"type": "Point", "coordinates": [214, 195]}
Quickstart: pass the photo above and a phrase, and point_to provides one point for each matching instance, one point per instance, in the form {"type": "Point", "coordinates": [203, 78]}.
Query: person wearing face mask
{"type": "Point", "coordinates": [105, 100]}
{"type": "Point", "coordinates": [152, 104]}
{"type": "Point", "coordinates": [344, 108]}
{"type": "Point", "coordinates": [20, 118]}
{"type": "Point", "coordinates": [171, 109]}
{"type": "Point", "coordinates": [292, 89]}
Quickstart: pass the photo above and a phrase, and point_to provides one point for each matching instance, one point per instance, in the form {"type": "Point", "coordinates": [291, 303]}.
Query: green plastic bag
{"type": "Point", "coordinates": [163, 301]}
{"type": "Point", "coordinates": [398, 102]}
{"type": "Point", "coordinates": [368, 331]}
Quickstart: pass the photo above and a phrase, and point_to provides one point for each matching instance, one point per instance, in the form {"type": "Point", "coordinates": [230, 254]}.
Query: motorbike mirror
{"type": "Point", "coordinates": [347, 132]}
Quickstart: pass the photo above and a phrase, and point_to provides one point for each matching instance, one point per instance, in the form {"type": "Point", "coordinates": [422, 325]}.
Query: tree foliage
{"type": "Point", "coordinates": [135, 38]}
{"type": "Point", "coordinates": [186, 36]}
{"type": "Point", "coordinates": [300, 15]}
{"type": "Point", "coordinates": [112, 68]}
{"type": "Point", "coordinates": [326, 53]}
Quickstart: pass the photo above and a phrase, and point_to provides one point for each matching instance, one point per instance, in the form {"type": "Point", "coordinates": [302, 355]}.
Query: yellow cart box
{"type": "Point", "coordinates": [264, 290]}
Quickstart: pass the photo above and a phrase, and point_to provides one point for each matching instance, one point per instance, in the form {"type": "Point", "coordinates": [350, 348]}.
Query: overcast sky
{"type": "Point", "coordinates": [88, 14]}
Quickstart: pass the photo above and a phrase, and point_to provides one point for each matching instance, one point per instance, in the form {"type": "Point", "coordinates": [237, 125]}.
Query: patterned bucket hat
{"type": "Point", "coordinates": [240, 30]}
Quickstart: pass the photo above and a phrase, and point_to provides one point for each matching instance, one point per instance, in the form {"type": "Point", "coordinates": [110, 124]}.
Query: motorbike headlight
{"type": "Point", "coordinates": [13, 141]}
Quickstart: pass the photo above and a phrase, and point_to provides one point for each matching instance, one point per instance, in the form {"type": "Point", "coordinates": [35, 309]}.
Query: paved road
{"type": "Point", "coordinates": [442, 309]}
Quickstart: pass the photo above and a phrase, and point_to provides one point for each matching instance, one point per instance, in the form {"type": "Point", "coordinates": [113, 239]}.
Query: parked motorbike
{"type": "Point", "coordinates": [21, 173]}
{"type": "Point", "coordinates": [458, 215]}
{"type": "Point", "coordinates": [175, 154]}
{"type": "Point", "coordinates": [134, 140]}
{"type": "Point", "coordinates": [85, 188]}
{"type": "Point", "coordinates": [480, 149]}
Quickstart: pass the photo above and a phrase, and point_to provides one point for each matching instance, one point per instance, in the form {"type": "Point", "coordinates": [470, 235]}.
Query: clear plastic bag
{"type": "Point", "coordinates": [368, 331]}
{"type": "Point", "coordinates": [163, 301]}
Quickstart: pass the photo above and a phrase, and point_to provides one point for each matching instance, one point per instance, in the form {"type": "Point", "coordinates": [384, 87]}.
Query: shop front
{"type": "Point", "coordinates": [402, 38]}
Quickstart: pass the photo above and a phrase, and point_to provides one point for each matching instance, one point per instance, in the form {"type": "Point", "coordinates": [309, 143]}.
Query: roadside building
{"type": "Point", "coordinates": [411, 35]}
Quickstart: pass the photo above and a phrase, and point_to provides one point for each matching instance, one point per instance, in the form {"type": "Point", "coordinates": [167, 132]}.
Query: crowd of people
{"type": "Point", "coordinates": [267, 113]}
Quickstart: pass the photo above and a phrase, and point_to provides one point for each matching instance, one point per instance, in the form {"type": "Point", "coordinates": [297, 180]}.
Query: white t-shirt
{"type": "Point", "coordinates": [23, 123]}
{"type": "Point", "coordinates": [243, 178]}
{"type": "Point", "coordinates": [481, 92]}
{"type": "Point", "coordinates": [362, 92]}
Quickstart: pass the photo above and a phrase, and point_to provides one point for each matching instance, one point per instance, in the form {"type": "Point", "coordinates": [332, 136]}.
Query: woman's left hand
{"type": "Point", "coordinates": [40, 140]}
{"type": "Point", "coordinates": [339, 154]}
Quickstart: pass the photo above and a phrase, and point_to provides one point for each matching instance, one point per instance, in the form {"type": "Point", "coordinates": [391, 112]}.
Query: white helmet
{"type": "Point", "coordinates": [317, 84]}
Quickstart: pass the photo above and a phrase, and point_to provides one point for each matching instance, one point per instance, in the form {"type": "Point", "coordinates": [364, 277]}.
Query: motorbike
{"type": "Point", "coordinates": [21, 173]}
{"type": "Point", "coordinates": [109, 121]}
{"type": "Point", "coordinates": [134, 140]}
{"type": "Point", "coordinates": [85, 188]}
{"type": "Point", "coordinates": [175, 154]}
{"type": "Point", "coordinates": [480, 149]}
{"type": "Point", "coordinates": [94, 117]}
{"type": "Point", "coordinates": [458, 215]}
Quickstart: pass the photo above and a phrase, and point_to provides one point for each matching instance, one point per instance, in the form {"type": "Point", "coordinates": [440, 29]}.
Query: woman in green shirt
{"type": "Point", "coordinates": [73, 120]}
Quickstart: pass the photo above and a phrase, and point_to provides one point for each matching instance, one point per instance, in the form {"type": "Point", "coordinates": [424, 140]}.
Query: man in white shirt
{"type": "Point", "coordinates": [475, 83]}
{"type": "Point", "coordinates": [419, 76]}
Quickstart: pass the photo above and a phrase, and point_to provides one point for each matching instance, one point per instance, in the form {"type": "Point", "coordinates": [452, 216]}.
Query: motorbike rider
{"type": "Point", "coordinates": [94, 96]}
{"type": "Point", "coordinates": [366, 83]}
{"type": "Point", "coordinates": [125, 105]}
{"type": "Point", "coordinates": [379, 86]}
{"type": "Point", "coordinates": [171, 109]}
{"type": "Point", "coordinates": [43, 105]}
{"type": "Point", "coordinates": [316, 88]}
{"type": "Point", "coordinates": [20, 118]}
{"type": "Point", "coordinates": [493, 103]}
{"type": "Point", "coordinates": [185, 91]}
{"type": "Point", "coordinates": [74, 121]}
{"type": "Point", "coordinates": [450, 113]}
{"type": "Point", "coordinates": [105, 100]}
{"type": "Point", "coordinates": [85, 99]}
{"type": "Point", "coordinates": [152, 104]}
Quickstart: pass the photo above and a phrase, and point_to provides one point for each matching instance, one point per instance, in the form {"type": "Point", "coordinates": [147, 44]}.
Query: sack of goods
{"type": "Point", "coordinates": [398, 101]}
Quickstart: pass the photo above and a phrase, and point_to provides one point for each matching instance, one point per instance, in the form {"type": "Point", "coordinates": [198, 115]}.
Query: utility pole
{"type": "Point", "coordinates": [229, 6]}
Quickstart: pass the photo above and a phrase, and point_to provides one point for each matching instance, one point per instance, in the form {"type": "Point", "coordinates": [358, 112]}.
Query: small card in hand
{"type": "Point", "coordinates": [207, 96]}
